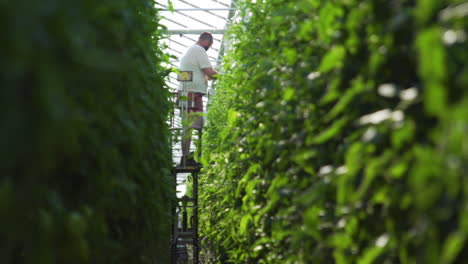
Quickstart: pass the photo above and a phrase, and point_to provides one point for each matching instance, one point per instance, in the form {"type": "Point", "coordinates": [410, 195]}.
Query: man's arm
{"type": "Point", "coordinates": [210, 72]}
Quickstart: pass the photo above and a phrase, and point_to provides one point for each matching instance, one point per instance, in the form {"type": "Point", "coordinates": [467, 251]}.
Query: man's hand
{"type": "Point", "coordinates": [210, 72]}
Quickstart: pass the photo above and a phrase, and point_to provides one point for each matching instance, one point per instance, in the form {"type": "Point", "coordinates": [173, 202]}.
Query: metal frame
{"type": "Point", "coordinates": [229, 18]}
{"type": "Point", "coordinates": [182, 11]}
{"type": "Point", "coordinates": [195, 31]}
{"type": "Point", "coordinates": [212, 60]}
{"type": "Point", "coordinates": [197, 9]}
{"type": "Point", "coordinates": [207, 11]}
{"type": "Point", "coordinates": [194, 40]}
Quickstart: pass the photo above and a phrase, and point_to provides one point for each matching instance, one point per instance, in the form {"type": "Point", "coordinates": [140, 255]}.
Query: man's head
{"type": "Point", "coordinates": [205, 40]}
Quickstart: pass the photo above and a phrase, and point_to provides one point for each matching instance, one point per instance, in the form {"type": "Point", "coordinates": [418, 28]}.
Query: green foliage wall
{"type": "Point", "coordinates": [338, 134]}
{"type": "Point", "coordinates": [85, 158]}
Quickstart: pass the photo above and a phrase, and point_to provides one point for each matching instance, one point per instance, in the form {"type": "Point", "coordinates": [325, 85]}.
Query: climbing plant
{"type": "Point", "coordinates": [83, 139]}
{"type": "Point", "coordinates": [338, 134]}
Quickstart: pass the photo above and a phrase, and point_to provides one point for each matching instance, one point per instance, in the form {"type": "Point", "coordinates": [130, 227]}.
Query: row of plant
{"type": "Point", "coordinates": [338, 134]}
{"type": "Point", "coordinates": [84, 142]}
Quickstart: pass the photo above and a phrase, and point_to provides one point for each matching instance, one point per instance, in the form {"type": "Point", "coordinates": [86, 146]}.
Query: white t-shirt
{"type": "Point", "coordinates": [195, 59]}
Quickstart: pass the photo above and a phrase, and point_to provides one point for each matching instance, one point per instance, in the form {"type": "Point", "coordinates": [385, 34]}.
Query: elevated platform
{"type": "Point", "coordinates": [186, 235]}
{"type": "Point", "coordinates": [180, 169]}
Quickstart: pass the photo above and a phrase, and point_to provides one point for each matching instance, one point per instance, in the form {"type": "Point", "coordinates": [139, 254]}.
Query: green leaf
{"type": "Point", "coordinates": [170, 5]}
{"type": "Point", "coordinates": [244, 226]}
{"type": "Point", "coordinates": [370, 255]}
{"type": "Point", "coordinates": [333, 59]}
{"type": "Point", "coordinates": [433, 70]}
{"type": "Point", "coordinates": [288, 93]}
{"type": "Point", "coordinates": [334, 130]}
{"type": "Point", "coordinates": [291, 55]}
{"type": "Point", "coordinates": [453, 246]}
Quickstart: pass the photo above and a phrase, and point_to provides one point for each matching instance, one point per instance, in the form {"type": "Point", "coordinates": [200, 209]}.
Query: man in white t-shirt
{"type": "Point", "coordinates": [196, 60]}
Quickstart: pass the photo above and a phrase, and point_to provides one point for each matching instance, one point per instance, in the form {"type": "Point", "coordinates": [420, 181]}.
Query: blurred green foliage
{"type": "Point", "coordinates": [339, 134]}
{"type": "Point", "coordinates": [84, 143]}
